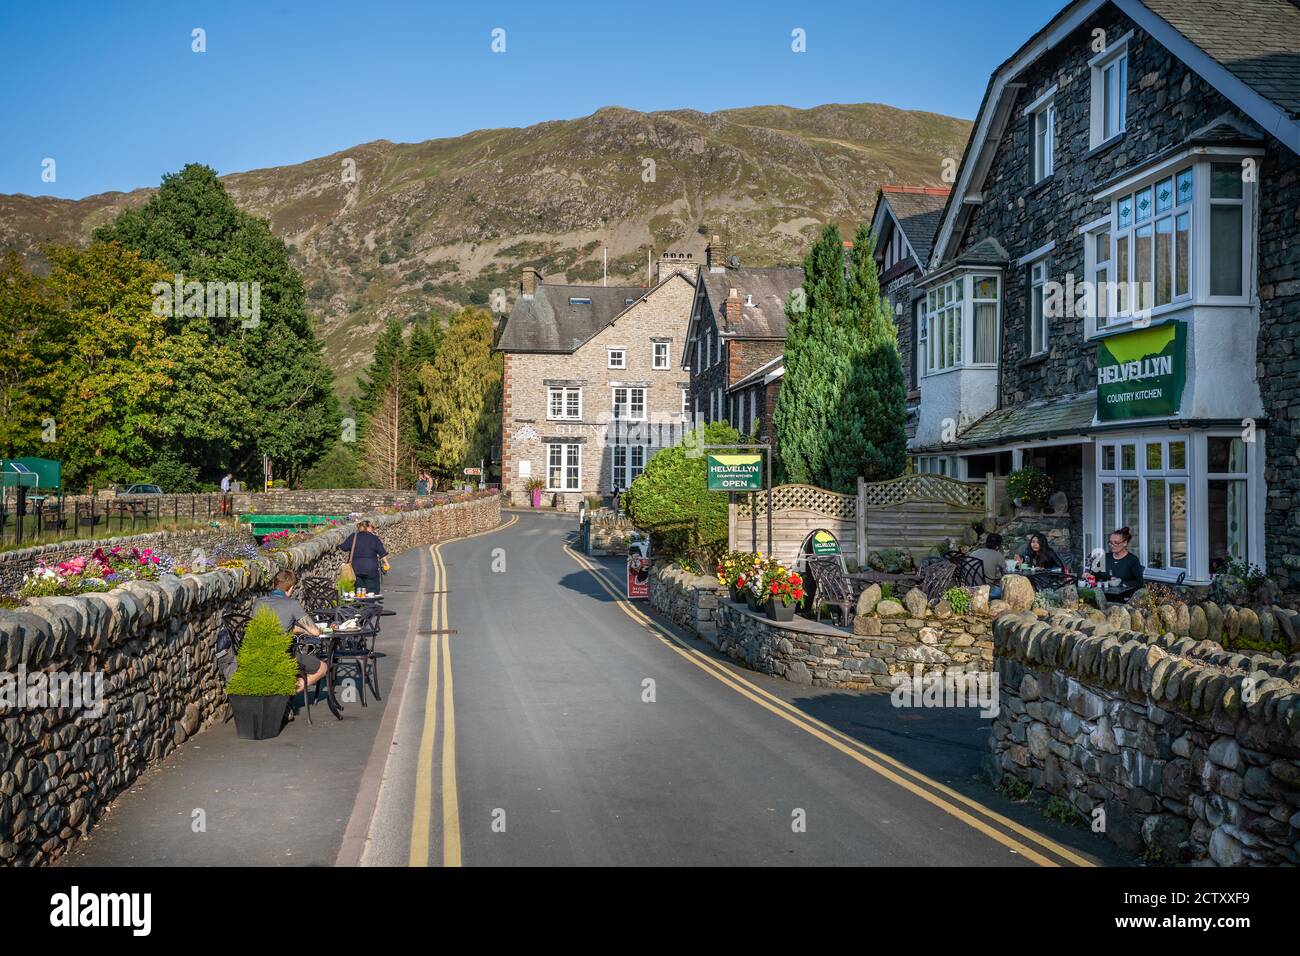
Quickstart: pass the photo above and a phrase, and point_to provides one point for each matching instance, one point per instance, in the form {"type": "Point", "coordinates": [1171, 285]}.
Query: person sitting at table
{"type": "Point", "coordinates": [368, 556]}
{"type": "Point", "coordinates": [1039, 554]}
{"type": "Point", "coordinates": [994, 562]}
{"type": "Point", "coordinates": [1122, 563]}
{"type": "Point", "coordinates": [294, 619]}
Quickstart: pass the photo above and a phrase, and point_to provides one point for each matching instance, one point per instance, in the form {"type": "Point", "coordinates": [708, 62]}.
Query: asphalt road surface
{"type": "Point", "coordinates": [561, 725]}
{"type": "Point", "coordinates": [532, 716]}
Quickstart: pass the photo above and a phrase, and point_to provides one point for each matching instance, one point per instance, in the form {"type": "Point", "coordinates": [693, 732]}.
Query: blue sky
{"type": "Point", "coordinates": [112, 91]}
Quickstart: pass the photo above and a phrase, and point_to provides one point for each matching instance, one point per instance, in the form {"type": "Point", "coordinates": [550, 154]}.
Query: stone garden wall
{"type": "Point", "coordinates": [888, 638]}
{"type": "Point", "coordinates": [152, 645]}
{"type": "Point", "coordinates": [1190, 751]}
{"type": "Point", "coordinates": [688, 600]}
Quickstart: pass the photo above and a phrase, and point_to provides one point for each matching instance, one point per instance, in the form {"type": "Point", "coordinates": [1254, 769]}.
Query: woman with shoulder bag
{"type": "Point", "coordinates": [368, 557]}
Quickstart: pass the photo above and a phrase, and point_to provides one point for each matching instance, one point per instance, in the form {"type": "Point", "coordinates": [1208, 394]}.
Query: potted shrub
{"type": "Point", "coordinates": [1029, 487]}
{"type": "Point", "coordinates": [784, 590]}
{"type": "Point", "coordinates": [535, 488]}
{"type": "Point", "coordinates": [265, 678]}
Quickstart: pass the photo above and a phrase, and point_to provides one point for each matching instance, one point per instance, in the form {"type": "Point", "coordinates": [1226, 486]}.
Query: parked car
{"type": "Point", "coordinates": [143, 490]}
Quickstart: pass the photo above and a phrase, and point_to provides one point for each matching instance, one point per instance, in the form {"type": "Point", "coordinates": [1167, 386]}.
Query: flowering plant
{"type": "Point", "coordinates": [781, 584]}
{"type": "Point", "coordinates": [736, 568]}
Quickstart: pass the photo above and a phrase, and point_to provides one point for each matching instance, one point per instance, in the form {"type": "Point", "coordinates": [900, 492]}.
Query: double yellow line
{"type": "Point", "coordinates": [439, 660]}
{"type": "Point", "coordinates": [964, 808]}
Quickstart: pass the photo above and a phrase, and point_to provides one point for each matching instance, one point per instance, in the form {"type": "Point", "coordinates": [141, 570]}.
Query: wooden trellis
{"type": "Point", "coordinates": [914, 512]}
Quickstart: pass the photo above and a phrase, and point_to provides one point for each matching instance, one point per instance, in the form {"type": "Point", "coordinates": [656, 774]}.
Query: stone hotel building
{"type": "Point", "coordinates": [1148, 150]}
{"type": "Point", "coordinates": [592, 386]}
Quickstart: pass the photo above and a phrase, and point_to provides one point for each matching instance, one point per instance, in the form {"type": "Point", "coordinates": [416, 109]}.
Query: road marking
{"type": "Point", "coordinates": [439, 658]}
{"type": "Point", "coordinates": [864, 754]}
{"type": "Point", "coordinates": [450, 796]}
{"type": "Point", "coordinates": [423, 804]}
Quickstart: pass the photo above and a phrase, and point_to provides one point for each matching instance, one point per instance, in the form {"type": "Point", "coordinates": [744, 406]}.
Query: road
{"type": "Point", "coordinates": [560, 725]}
{"type": "Point", "coordinates": [531, 716]}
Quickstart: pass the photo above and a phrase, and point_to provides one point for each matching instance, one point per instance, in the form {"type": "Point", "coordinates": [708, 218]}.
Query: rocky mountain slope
{"type": "Point", "coordinates": [396, 229]}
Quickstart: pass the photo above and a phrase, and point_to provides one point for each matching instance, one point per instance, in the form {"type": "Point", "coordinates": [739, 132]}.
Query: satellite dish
{"type": "Point", "coordinates": [733, 261]}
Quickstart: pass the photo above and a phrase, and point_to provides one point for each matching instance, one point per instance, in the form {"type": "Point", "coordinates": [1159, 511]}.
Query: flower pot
{"type": "Point", "coordinates": [259, 718]}
{"type": "Point", "coordinates": [778, 611]}
{"type": "Point", "coordinates": [737, 596]}
{"type": "Point", "coordinates": [750, 600]}
{"type": "Point", "coordinates": [537, 497]}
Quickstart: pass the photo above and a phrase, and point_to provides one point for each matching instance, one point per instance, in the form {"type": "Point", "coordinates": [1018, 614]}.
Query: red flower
{"type": "Point", "coordinates": [797, 594]}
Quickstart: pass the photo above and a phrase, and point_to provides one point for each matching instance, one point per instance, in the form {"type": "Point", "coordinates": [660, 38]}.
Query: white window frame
{"type": "Point", "coordinates": [936, 465]}
{"type": "Point", "coordinates": [570, 466]}
{"type": "Point", "coordinates": [686, 401]}
{"type": "Point", "coordinates": [1196, 209]}
{"type": "Point", "coordinates": [1101, 106]}
{"type": "Point", "coordinates": [948, 323]}
{"type": "Point", "coordinates": [622, 358]}
{"type": "Point", "coordinates": [1041, 114]}
{"type": "Point", "coordinates": [655, 349]}
{"type": "Point", "coordinates": [565, 392]}
{"type": "Point", "coordinates": [1039, 327]}
{"type": "Point", "coordinates": [629, 404]}
{"type": "Point", "coordinates": [708, 349]}
{"type": "Point", "coordinates": [633, 459]}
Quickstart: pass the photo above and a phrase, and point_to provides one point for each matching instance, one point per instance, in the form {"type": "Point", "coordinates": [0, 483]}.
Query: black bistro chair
{"type": "Point", "coordinates": [968, 570]}
{"type": "Point", "coordinates": [831, 587]}
{"type": "Point", "coordinates": [354, 652]}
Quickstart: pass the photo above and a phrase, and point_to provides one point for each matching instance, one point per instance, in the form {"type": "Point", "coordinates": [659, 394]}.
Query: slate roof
{"type": "Point", "coordinates": [918, 211]}
{"type": "Point", "coordinates": [1044, 418]}
{"type": "Point", "coordinates": [770, 287]}
{"type": "Point", "coordinates": [550, 322]}
{"type": "Point", "coordinates": [1257, 41]}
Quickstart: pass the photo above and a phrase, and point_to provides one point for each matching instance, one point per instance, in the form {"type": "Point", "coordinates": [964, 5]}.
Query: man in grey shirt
{"type": "Point", "coordinates": [294, 619]}
{"type": "Point", "coordinates": [993, 558]}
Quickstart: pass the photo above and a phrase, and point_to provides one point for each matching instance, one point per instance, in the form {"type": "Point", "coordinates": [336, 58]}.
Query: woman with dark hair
{"type": "Point", "coordinates": [1122, 563]}
{"type": "Point", "coordinates": [1039, 554]}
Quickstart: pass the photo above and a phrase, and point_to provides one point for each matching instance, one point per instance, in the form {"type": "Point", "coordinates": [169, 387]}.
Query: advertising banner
{"type": "Point", "coordinates": [1141, 374]}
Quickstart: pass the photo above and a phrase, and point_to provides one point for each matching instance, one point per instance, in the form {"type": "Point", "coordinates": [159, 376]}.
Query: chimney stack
{"type": "Point", "coordinates": [529, 282]}
{"type": "Point", "coordinates": [682, 262]}
{"type": "Point", "coordinates": [715, 255]}
{"type": "Point", "coordinates": [732, 310]}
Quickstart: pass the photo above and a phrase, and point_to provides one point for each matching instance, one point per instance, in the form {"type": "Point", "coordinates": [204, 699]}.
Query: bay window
{"type": "Point", "coordinates": [564, 404]}
{"type": "Point", "coordinates": [1227, 486]}
{"type": "Point", "coordinates": [1182, 236]}
{"type": "Point", "coordinates": [959, 318]}
{"type": "Point", "coordinates": [564, 467]}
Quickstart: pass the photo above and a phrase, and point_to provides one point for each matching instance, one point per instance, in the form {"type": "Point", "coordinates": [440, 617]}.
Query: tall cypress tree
{"type": "Point", "coordinates": [816, 365]}
{"type": "Point", "coordinates": [869, 436]}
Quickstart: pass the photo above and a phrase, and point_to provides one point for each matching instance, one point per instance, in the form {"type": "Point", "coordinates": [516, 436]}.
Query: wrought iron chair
{"type": "Point", "coordinates": [831, 587]}
{"type": "Point", "coordinates": [318, 594]}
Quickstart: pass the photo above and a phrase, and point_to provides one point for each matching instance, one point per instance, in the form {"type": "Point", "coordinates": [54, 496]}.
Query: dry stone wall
{"type": "Point", "coordinates": [151, 647]}
{"type": "Point", "coordinates": [1188, 752]}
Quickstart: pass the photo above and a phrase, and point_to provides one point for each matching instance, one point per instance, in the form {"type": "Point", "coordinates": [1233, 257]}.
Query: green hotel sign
{"type": "Point", "coordinates": [742, 471]}
{"type": "Point", "coordinates": [1141, 374]}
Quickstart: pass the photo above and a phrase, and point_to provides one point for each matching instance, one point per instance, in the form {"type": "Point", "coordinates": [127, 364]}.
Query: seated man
{"type": "Point", "coordinates": [993, 558]}
{"type": "Point", "coordinates": [294, 619]}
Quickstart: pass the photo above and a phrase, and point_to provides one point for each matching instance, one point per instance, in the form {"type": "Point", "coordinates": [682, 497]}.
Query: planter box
{"type": "Point", "coordinates": [737, 596]}
{"type": "Point", "coordinates": [259, 718]}
{"type": "Point", "coordinates": [777, 611]}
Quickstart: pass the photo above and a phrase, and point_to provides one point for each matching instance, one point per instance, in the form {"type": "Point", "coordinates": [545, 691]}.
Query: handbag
{"type": "Point", "coordinates": [346, 572]}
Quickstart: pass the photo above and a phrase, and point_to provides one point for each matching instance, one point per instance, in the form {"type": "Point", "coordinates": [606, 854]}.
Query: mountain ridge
{"type": "Point", "coordinates": [443, 222]}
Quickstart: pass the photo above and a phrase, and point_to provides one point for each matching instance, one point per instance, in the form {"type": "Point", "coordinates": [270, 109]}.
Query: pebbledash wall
{"type": "Point", "coordinates": [1186, 751]}
{"type": "Point", "coordinates": [153, 642]}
